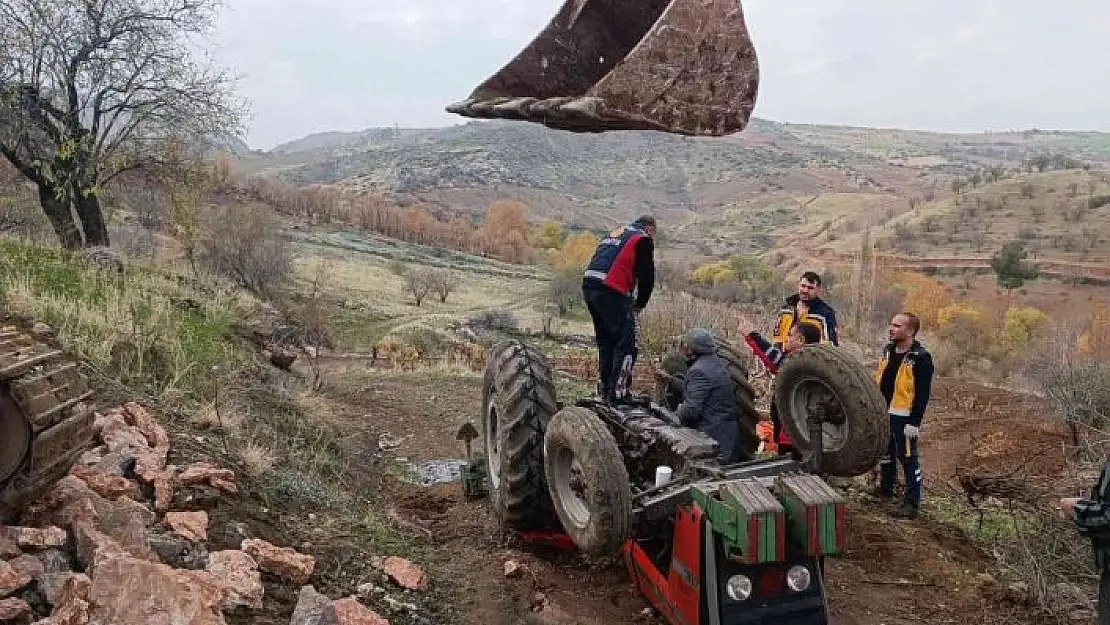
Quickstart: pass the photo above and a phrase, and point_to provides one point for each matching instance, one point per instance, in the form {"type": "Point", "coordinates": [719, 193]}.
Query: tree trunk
{"type": "Point", "coordinates": [92, 219]}
{"type": "Point", "coordinates": [61, 217]}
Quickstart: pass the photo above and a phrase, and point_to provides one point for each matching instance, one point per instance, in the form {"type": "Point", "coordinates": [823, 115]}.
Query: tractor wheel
{"type": "Point", "coordinates": [518, 399]}
{"type": "Point", "coordinates": [46, 418]}
{"type": "Point", "coordinates": [588, 481]}
{"type": "Point", "coordinates": [824, 379]}
{"type": "Point", "coordinates": [670, 396]}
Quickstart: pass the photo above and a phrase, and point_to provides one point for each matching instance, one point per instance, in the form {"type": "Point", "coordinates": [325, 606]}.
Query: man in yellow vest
{"type": "Point", "coordinates": [905, 376]}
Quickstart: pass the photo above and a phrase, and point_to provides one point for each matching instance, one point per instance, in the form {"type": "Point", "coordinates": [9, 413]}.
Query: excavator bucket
{"type": "Point", "coordinates": [678, 66]}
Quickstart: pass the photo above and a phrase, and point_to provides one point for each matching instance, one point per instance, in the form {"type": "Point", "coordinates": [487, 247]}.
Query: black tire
{"type": "Point", "coordinates": [856, 426]}
{"type": "Point", "coordinates": [670, 395]}
{"type": "Point", "coordinates": [588, 481]}
{"type": "Point", "coordinates": [518, 400]}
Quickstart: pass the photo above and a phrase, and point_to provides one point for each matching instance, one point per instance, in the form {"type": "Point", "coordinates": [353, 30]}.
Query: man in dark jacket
{"type": "Point", "coordinates": [708, 403]}
{"type": "Point", "coordinates": [905, 377]}
{"type": "Point", "coordinates": [806, 307]}
{"type": "Point", "coordinates": [623, 262]}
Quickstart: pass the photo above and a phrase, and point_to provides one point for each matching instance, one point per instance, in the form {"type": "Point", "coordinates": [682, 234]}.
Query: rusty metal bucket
{"type": "Point", "coordinates": [679, 66]}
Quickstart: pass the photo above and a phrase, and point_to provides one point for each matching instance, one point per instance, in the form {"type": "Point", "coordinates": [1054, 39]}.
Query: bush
{"type": "Point", "coordinates": [245, 246]}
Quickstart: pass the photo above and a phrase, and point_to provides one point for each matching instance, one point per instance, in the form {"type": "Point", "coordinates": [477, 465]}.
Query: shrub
{"type": "Point", "coordinates": [245, 246]}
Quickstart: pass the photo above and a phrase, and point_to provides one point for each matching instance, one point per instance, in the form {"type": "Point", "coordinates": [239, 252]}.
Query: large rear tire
{"type": "Point", "coordinates": [825, 380]}
{"type": "Point", "coordinates": [46, 418]}
{"type": "Point", "coordinates": [742, 389]}
{"type": "Point", "coordinates": [588, 481]}
{"type": "Point", "coordinates": [518, 400]}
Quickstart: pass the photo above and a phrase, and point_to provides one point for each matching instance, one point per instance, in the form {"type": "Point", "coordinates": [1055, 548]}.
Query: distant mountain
{"type": "Point", "coordinates": [597, 180]}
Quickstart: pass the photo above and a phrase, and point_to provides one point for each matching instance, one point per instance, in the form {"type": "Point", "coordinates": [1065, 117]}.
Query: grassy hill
{"type": "Point", "coordinates": [774, 188]}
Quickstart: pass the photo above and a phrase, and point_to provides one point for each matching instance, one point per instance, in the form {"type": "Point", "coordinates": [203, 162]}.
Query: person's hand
{"type": "Point", "coordinates": [803, 309]}
{"type": "Point", "coordinates": [745, 325]}
{"type": "Point", "coordinates": [912, 432]}
{"type": "Point", "coordinates": [1067, 506]}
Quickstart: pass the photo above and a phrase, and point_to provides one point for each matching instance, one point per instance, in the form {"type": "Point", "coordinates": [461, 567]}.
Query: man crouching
{"type": "Point", "coordinates": [708, 403]}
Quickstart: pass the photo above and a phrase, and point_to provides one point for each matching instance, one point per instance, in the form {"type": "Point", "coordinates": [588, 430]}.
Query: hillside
{"type": "Point", "coordinates": [594, 180]}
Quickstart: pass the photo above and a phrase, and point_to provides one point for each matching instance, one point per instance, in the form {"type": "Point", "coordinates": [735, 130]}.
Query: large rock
{"type": "Point", "coordinates": [284, 562]}
{"type": "Point", "coordinates": [13, 578]}
{"type": "Point", "coordinates": [35, 538]}
{"type": "Point", "coordinates": [72, 605]}
{"type": "Point", "coordinates": [238, 574]}
{"type": "Point", "coordinates": [202, 473]}
{"type": "Point", "coordinates": [127, 591]}
{"type": "Point", "coordinates": [404, 573]}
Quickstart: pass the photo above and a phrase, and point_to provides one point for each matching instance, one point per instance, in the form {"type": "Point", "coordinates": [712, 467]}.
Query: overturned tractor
{"type": "Point", "coordinates": [739, 543]}
{"type": "Point", "coordinates": [46, 418]}
{"type": "Point", "coordinates": [678, 66]}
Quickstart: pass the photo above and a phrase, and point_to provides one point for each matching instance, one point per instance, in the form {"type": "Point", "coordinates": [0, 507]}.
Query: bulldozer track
{"type": "Point", "coordinates": [55, 411]}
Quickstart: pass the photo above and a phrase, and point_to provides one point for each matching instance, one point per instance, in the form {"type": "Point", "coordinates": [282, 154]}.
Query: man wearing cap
{"type": "Point", "coordinates": [623, 262]}
{"type": "Point", "coordinates": [708, 403]}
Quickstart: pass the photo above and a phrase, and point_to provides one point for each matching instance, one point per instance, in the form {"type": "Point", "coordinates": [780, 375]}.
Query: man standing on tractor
{"type": "Point", "coordinates": [806, 307]}
{"type": "Point", "coordinates": [623, 262]}
{"type": "Point", "coordinates": [708, 403]}
{"type": "Point", "coordinates": [800, 335]}
{"type": "Point", "coordinates": [905, 376]}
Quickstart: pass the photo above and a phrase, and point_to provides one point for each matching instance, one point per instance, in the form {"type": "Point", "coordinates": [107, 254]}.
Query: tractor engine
{"type": "Point", "coordinates": [647, 441]}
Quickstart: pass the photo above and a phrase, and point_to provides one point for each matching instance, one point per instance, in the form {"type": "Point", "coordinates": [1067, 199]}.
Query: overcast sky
{"type": "Point", "coordinates": [960, 65]}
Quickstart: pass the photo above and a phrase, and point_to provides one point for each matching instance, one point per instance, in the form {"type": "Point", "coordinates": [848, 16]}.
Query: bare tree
{"type": "Point", "coordinates": [90, 88]}
{"type": "Point", "coordinates": [441, 282]}
{"type": "Point", "coordinates": [244, 244]}
{"type": "Point", "coordinates": [418, 284]}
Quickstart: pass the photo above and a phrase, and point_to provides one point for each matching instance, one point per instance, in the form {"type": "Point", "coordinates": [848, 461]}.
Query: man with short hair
{"type": "Point", "coordinates": [806, 306]}
{"type": "Point", "coordinates": [708, 403]}
{"type": "Point", "coordinates": [623, 262]}
{"type": "Point", "coordinates": [905, 376]}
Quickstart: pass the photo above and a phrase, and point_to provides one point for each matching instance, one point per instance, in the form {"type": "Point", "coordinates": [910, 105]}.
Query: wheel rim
{"type": "Point", "coordinates": [493, 444]}
{"type": "Point", "coordinates": [15, 438]}
{"type": "Point", "coordinates": [570, 486]}
{"type": "Point", "coordinates": [811, 395]}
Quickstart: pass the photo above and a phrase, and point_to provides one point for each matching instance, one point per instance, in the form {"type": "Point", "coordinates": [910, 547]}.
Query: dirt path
{"type": "Point", "coordinates": [893, 572]}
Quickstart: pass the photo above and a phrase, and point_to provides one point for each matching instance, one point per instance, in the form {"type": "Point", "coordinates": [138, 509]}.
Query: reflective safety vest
{"type": "Point", "coordinates": [614, 262]}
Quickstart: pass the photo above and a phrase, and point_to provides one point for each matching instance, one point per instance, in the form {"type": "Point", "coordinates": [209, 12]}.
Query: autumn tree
{"type": "Point", "coordinates": [576, 251]}
{"type": "Point", "coordinates": [504, 231]}
{"type": "Point", "coordinates": [87, 86]}
{"type": "Point", "coordinates": [548, 235]}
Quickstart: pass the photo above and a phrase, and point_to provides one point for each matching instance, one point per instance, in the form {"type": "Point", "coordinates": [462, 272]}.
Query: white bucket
{"type": "Point", "coordinates": [662, 476]}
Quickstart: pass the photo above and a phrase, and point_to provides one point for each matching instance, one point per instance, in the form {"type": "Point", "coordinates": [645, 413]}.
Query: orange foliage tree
{"type": "Point", "coordinates": [925, 296]}
{"type": "Point", "coordinates": [504, 231]}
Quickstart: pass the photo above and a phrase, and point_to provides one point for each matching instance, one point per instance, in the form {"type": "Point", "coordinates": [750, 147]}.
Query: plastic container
{"type": "Point", "coordinates": [662, 476]}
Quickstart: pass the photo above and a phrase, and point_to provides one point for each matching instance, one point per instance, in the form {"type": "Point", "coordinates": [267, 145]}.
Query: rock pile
{"type": "Point", "coordinates": [121, 541]}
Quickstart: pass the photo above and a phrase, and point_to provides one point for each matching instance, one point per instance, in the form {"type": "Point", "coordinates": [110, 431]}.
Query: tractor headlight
{"type": "Point", "coordinates": [739, 588]}
{"type": "Point", "coordinates": [798, 578]}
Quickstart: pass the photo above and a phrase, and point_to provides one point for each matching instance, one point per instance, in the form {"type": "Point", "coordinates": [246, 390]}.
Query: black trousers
{"type": "Point", "coordinates": [614, 320]}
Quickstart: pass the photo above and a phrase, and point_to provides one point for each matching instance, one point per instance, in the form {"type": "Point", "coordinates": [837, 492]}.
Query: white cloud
{"type": "Point", "coordinates": [938, 64]}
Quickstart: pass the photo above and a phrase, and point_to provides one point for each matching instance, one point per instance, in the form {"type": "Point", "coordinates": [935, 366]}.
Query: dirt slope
{"type": "Point", "coordinates": [893, 572]}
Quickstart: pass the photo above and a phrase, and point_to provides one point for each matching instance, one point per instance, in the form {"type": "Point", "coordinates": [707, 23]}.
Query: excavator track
{"type": "Point", "coordinates": [46, 418]}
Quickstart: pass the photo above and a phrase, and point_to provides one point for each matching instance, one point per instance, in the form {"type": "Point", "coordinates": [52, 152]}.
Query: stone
{"type": "Point", "coordinates": [513, 569]}
{"type": "Point", "coordinates": [189, 525]}
{"type": "Point", "coordinates": [43, 332]}
{"type": "Point", "coordinates": [12, 579]}
{"type": "Point", "coordinates": [350, 612]}
{"type": "Point", "coordinates": [138, 416]}
{"type": "Point", "coordinates": [9, 548]}
{"type": "Point", "coordinates": [404, 573]}
{"type": "Point", "coordinates": [72, 605]}
{"type": "Point", "coordinates": [128, 591]}
{"type": "Point", "coordinates": [284, 562]}
{"type": "Point", "coordinates": [238, 574]}
{"type": "Point", "coordinates": [310, 607]}
{"type": "Point", "coordinates": [35, 538]}
{"type": "Point", "coordinates": [109, 486]}
{"type": "Point", "coordinates": [204, 473]}
{"type": "Point", "coordinates": [15, 611]}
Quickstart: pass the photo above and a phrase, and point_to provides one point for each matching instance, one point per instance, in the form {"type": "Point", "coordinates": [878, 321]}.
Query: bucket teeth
{"type": "Point", "coordinates": [679, 66]}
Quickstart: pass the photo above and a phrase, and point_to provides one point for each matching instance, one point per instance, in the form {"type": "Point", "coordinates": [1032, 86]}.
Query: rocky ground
{"type": "Point", "coordinates": [125, 539]}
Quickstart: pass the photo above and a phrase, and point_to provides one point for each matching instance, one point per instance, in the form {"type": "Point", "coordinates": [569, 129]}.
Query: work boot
{"type": "Point", "coordinates": [906, 511]}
